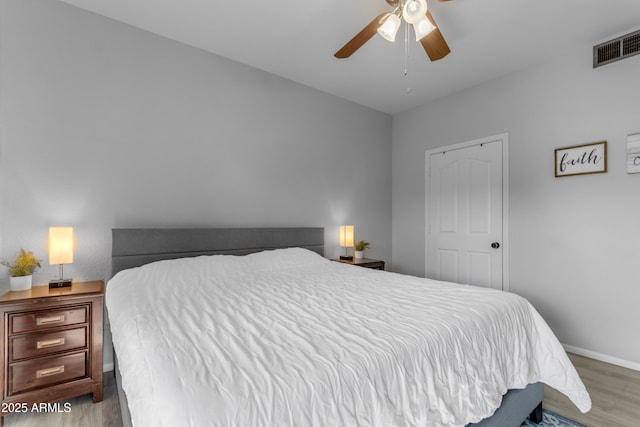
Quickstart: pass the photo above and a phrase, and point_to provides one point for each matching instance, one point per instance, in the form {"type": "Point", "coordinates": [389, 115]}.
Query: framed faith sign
{"type": "Point", "coordinates": [581, 159]}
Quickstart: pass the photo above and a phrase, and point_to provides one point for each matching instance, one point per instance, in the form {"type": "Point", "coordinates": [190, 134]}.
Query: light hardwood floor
{"type": "Point", "coordinates": [615, 393]}
{"type": "Point", "coordinates": [83, 412]}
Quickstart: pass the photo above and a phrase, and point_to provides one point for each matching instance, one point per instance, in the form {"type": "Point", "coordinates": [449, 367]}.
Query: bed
{"type": "Point", "coordinates": [281, 336]}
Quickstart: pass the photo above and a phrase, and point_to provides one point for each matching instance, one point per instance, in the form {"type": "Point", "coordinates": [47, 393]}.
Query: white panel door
{"type": "Point", "coordinates": [464, 236]}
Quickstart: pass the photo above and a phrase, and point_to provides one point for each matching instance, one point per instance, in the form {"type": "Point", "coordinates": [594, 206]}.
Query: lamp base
{"type": "Point", "coordinates": [59, 283]}
{"type": "Point", "coordinates": [346, 257]}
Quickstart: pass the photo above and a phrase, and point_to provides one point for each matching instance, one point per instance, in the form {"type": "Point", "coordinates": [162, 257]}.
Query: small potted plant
{"type": "Point", "coordinates": [359, 248]}
{"type": "Point", "coordinates": [22, 269]}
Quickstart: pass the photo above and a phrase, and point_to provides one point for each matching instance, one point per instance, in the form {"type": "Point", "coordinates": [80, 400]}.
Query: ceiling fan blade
{"type": "Point", "coordinates": [361, 38]}
{"type": "Point", "coordinates": [434, 43]}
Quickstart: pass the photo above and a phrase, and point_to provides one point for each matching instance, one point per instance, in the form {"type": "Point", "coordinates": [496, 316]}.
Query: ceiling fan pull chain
{"type": "Point", "coordinates": [406, 48]}
{"type": "Point", "coordinates": [406, 55]}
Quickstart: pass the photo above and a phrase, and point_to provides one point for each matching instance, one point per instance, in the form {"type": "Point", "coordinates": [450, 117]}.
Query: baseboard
{"type": "Point", "coordinates": [602, 357]}
{"type": "Point", "coordinates": [106, 367]}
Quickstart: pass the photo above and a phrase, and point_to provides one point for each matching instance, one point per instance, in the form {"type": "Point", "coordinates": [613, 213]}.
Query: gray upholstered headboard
{"type": "Point", "coordinates": [133, 247]}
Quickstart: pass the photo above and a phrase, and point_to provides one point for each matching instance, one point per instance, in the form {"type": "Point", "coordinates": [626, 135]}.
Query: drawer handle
{"type": "Point", "coordinates": [49, 371]}
{"type": "Point", "coordinates": [49, 343]}
{"type": "Point", "coordinates": [49, 320]}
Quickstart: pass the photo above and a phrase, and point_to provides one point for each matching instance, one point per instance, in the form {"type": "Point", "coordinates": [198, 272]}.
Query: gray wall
{"type": "Point", "coordinates": [104, 125]}
{"type": "Point", "coordinates": [574, 240]}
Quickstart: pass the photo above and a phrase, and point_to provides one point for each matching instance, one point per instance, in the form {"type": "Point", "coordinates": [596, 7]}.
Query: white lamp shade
{"type": "Point", "coordinates": [422, 28]}
{"type": "Point", "coordinates": [60, 245]}
{"type": "Point", "coordinates": [389, 27]}
{"type": "Point", "coordinates": [346, 236]}
{"type": "Point", "coordinates": [414, 10]}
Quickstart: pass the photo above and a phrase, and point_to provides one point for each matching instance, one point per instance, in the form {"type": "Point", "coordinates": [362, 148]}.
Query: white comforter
{"type": "Point", "coordinates": [288, 338]}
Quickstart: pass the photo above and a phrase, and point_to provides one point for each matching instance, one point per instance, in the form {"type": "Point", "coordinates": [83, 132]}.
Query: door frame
{"type": "Point", "coordinates": [504, 137]}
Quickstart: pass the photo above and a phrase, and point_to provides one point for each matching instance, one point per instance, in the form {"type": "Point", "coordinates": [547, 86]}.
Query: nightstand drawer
{"type": "Point", "coordinates": [24, 346]}
{"type": "Point", "coordinates": [38, 320]}
{"type": "Point", "coordinates": [45, 371]}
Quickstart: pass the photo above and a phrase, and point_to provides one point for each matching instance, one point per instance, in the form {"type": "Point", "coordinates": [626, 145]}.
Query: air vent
{"type": "Point", "coordinates": [616, 49]}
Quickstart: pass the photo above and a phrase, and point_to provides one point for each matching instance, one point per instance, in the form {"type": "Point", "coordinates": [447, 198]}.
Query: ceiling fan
{"type": "Point", "coordinates": [413, 12]}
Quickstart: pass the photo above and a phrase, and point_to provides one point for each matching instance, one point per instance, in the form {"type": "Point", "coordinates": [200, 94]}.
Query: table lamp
{"type": "Point", "coordinates": [346, 240]}
{"type": "Point", "coordinates": [60, 252]}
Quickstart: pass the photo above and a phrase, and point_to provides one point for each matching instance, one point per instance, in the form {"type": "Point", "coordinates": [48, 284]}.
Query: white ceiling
{"type": "Point", "coordinates": [297, 39]}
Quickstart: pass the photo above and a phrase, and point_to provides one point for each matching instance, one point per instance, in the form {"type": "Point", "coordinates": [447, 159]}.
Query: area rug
{"type": "Point", "coordinates": [551, 419]}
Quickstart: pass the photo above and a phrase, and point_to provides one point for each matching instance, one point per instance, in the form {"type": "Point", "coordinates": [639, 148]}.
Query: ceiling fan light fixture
{"type": "Point", "coordinates": [389, 27]}
{"type": "Point", "coordinates": [414, 10]}
{"type": "Point", "coordinates": [422, 28]}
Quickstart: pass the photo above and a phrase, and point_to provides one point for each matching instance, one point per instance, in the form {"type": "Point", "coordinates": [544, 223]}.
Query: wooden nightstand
{"type": "Point", "coordinates": [375, 264]}
{"type": "Point", "coordinates": [52, 346]}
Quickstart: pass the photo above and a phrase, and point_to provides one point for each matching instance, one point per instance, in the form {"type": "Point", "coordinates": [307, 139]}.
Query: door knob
{"type": "Point", "coordinates": [495, 245]}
